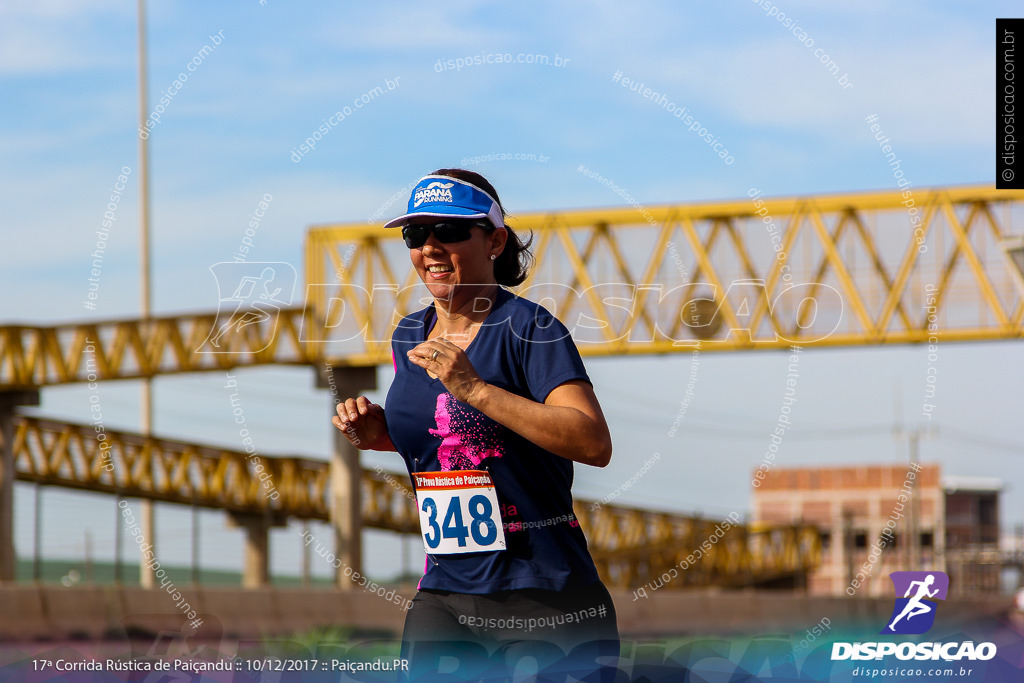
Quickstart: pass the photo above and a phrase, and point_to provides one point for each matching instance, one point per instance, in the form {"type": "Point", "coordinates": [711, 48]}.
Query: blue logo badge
{"type": "Point", "coordinates": [914, 613]}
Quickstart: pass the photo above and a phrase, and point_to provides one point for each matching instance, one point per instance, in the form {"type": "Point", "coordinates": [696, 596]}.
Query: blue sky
{"type": "Point", "coordinates": [69, 75]}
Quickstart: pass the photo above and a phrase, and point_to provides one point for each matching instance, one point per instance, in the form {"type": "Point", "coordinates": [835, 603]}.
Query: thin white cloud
{"type": "Point", "coordinates": [385, 28]}
{"type": "Point", "coordinates": [56, 36]}
{"type": "Point", "coordinates": [772, 84]}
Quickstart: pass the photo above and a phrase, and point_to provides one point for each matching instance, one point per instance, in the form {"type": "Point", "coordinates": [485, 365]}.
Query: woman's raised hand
{"type": "Point", "coordinates": [363, 424]}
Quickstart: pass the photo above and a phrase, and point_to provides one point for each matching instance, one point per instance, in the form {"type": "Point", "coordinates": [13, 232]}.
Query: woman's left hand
{"type": "Point", "coordinates": [449, 363]}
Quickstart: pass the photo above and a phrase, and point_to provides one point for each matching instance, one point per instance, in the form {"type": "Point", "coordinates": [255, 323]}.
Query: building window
{"type": "Point", "coordinates": [927, 539]}
{"type": "Point", "coordinates": [825, 538]}
{"type": "Point", "coordinates": [860, 540]}
{"type": "Point", "coordinates": [988, 510]}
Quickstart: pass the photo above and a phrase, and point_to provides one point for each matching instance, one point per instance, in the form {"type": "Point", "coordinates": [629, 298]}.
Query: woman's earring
{"type": "Point", "coordinates": [494, 256]}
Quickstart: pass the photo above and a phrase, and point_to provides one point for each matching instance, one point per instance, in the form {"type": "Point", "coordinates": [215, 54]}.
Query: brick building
{"type": "Point", "coordinates": [865, 516]}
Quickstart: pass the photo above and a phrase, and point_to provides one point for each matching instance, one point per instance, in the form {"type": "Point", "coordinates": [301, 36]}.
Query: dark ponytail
{"type": "Point", "coordinates": [514, 262]}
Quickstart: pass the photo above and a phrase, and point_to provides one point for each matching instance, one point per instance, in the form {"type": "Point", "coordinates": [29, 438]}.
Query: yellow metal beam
{"type": "Point", "coordinates": [835, 270]}
{"type": "Point", "coordinates": [35, 356]}
{"type": "Point", "coordinates": [832, 270]}
{"type": "Point", "coordinates": [133, 465]}
{"type": "Point", "coordinates": [630, 546]}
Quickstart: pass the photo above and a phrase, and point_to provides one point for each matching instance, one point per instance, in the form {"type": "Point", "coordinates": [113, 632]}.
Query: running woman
{"type": "Point", "coordinates": [489, 408]}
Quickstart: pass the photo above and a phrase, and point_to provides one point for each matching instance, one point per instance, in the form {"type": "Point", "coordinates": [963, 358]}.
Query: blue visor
{"type": "Point", "coordinates": [438, 196]}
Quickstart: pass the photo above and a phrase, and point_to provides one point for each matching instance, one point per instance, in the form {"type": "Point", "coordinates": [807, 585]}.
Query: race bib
{"type": "Point", "coordinates": [458, 512]}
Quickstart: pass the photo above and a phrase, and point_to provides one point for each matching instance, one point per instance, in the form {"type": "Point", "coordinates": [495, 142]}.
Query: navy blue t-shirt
{"type": "Point", "coordinates": [525, 350]}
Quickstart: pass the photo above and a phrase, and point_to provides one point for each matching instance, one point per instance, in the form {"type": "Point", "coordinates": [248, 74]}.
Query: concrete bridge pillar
{"type": "Point", "coordinates": [346, 486]}
{"type": "Point", "coordinates": [256, 557]}
{"type": "Point", "coordinates": [9, 400]}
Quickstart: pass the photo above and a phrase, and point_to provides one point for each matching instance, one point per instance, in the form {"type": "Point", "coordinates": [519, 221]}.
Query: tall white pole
{"type": "Point", "coordinates": [146, 576]}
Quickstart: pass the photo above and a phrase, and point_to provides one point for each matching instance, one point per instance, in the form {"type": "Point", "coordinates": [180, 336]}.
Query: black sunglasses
{"type": "Point", "coordinates": [415, 236]}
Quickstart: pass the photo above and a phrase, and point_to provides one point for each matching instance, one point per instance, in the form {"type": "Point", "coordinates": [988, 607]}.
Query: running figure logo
{"type": "Point", "coordinates": [256, 292]}
{"type": "Point", "coordinates": [914, 613]}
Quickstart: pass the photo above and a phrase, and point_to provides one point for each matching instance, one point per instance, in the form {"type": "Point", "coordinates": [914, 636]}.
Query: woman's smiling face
{"type": "Point", "coordinates": [452, 269]}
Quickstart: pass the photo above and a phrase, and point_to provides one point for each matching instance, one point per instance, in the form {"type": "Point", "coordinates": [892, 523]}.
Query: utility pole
{"type": "Point", "coordinates": [147, 577]}
{"type": "Point", "coordinates": [848, 544]}
{"type": "Point", "coordinates": [912, 554]}
{"type": "Point", "coordinates": [913, 547]}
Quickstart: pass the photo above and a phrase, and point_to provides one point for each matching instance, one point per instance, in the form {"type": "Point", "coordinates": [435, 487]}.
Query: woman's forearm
{"type": "Point", "coordinates": [565, 430]}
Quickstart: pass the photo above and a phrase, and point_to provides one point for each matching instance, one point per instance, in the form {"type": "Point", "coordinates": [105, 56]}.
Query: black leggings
{"type": "Point", "coordinates": [512, 634]}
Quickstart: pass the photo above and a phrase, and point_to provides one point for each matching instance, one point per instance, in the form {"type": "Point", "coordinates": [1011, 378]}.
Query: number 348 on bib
{"type": "Point", "coordinates": [458, 512]}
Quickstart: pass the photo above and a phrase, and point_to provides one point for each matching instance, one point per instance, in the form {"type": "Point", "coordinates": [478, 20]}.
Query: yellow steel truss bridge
{"type": "Point", "coordinates": [818, 271]}
{"type": "Point", "coordinates": [628, 544]}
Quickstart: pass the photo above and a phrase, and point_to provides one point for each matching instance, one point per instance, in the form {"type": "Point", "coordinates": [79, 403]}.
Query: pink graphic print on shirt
{"type": "Point", "coordinates": [467, 437]}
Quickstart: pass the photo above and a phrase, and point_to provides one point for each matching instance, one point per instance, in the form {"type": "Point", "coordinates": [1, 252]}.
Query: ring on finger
{"type": "Point", "coordinates": [433, 356]}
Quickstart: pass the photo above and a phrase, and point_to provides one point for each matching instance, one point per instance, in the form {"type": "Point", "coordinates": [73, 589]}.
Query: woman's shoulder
{"type": "Point", "coordinates": [527, 319]}
{"type": "Point", "coordinates": [522, 311]}
{"type": "Point", "coordinates": [412, 328]}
